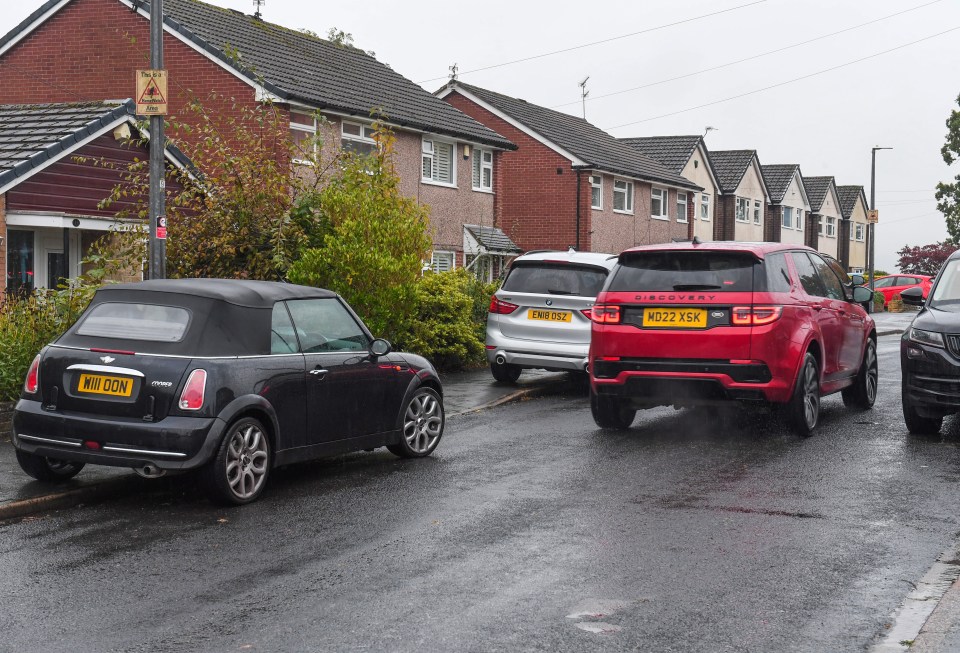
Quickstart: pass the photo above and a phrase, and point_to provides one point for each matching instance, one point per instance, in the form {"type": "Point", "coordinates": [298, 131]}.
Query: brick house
{"type": "Point", "coordinates": [826, 217]}
{"type": "Point", "coordinates": [88, 50]}
{"type": "Point", "coordinates": [789, 206]}
{"type": "Point", "coordinates": [50, 187]}
{"type": "Point", "coordinates": [742, 205]}
{"type": "Point", "coordinates": [687, 155]}
{"type": "Point", "coordinates": [570, 184]}
{"type": "Point", "coordinates": [853, 207]}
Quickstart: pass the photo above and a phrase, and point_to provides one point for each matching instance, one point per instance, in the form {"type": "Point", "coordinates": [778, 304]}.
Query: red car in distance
{"type": "Point", "coordinates": [895, 284]}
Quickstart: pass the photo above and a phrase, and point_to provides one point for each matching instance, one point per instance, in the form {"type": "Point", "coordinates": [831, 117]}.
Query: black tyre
{"type": "Point", "coordinates": [917, 424]}
{"type": "Point", "coordinates": [611, 412]}
{"type": "Point", "coordinates": [238, 472]}
{"type": "Point", "coordinates": [863, 393]}
{"type": "Point", "coordinates": [804, 406]}
{"type": "Point", "coordinates": [421, 425]}
{"type": "Point", "coordinates": [48, 470]}
{"type": "Point", "coordinates": [505, 372]}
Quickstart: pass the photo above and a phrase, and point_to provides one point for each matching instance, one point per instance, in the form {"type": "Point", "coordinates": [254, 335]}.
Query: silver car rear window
{"type": "Point", "coordinates": [125, 321]}
{"type": "Point", "coordinates": [556, 279]}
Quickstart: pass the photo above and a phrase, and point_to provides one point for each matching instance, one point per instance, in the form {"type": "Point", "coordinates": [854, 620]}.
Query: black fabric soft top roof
{"type": "Point", "coordinates": [251, 294]}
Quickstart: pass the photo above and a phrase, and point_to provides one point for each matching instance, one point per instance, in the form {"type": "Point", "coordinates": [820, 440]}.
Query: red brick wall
{"type": "Point", "coordinates": [725, 216]}
{"type": "Point", "coordinates": [812, 230]}
{"type": "Point", "coordinates": [90, 50]}
{"type": "Point", "coordinates": [773, 224]}
{"type": "Point", "coordinates": [536, 189]}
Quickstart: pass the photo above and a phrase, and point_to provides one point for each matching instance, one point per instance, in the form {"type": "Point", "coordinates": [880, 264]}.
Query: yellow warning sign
{"type": "Point", "coordinates": [151, 92]}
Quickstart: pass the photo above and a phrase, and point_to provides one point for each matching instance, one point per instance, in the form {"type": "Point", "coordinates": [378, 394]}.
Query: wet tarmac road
{"type": "Point", "coordinates": [528, 530]}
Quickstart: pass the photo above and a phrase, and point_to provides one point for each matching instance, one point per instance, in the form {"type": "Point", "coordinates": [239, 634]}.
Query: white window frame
{"type": "Point", "coordinates": [859, 231]}
{"type": "Point", "coordinates": [757, 212]}
{"type": "Point", "coordinates": [743, 209]}
{"type": "Point", "coordinates": [663, 195]}
{"type": "Point", "coordinates": [786, 222]}
{"type": "Point", "coordinates": [705, 203]}
{"type": "Point", "coordinates": [627, 192]}
{"type": "Point", "coordinates": [831, 227]}
{"type": "Point", "coordinates": [478, 165]}
{"type": "Point", "coordinates": [431, 153]}
{"type": "Point", "coordinates": [799, 223]}
{"type": "Point", "coordinates": [820, 226]}
{"type": "Point", "coordinates": [682, 213]}
{"type": "Point", "coordinates": [596, 183]}
{"type": "Point", "coordinates": [439, 254]}
{"type": "Point", "coordinates": [362, 138]}
{"type": "Point", "coordinates": [312, 131]}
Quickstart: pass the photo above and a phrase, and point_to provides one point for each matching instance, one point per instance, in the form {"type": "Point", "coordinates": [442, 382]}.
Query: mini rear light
{"type": "Point", "coordinates": [192, 396]}
{"type": "Point", "coordinates": [606, 314]}
{"type": "Point", "coordinates": [501, 307]}
{"type": "Point", "coordinates": [755, 315]}
{"type": "Point", "coordinates": [32, 384]}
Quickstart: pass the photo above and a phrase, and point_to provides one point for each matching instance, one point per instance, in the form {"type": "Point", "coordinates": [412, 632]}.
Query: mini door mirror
{"type": "Point", "coordinates": [857, 279]}
{"type": "Point", "coordinates": [862, 294]}
{"type": "Point", "coordinates": [912, 296]}
{"type": "Point", "coordinates": [380, 347]}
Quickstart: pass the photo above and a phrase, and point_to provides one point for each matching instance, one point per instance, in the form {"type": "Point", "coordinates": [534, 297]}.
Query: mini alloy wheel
{"type": "Point", "coordinates": [48, 470]}
{"type": "Point", "coordinates": [421, 424]}
{"type": "Point", "coordinates": [238, 473]}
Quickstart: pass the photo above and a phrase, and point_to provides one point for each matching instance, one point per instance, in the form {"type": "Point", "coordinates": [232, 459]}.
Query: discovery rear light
{"type": "Point", "coordinates": [192, 396]}
{"type": "Point", "coordinates": [32, 384]}
{"type": "Point", "coordinates": [501, 307]}
{"type": "Point", "coordinates": [606, 314]}
{"type": "Point", "coordinates": [755, 315]}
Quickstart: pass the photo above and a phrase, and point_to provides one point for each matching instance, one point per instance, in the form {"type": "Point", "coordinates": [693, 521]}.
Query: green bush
{"type": "Point", "coordinates": [878, 300]}
{"type": "Point", "coordinates": [451, 313]}
{"type": "Point", "coordinates": [29, 323]}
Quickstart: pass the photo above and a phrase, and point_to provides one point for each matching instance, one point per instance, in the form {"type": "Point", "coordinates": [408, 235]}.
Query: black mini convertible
{"type": "Point", "coordinates": [231, 378]}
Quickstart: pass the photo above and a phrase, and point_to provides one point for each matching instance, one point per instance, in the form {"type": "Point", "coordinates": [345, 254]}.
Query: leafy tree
{"type": "Point", "coordinates": [948, 195]}
{"type": "Point", "coordinates": [925, 259]}
{"type": "Point", "coordinates": [370, 240]}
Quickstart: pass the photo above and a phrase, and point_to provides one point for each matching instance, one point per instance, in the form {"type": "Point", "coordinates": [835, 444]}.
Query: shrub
{"type": "Point", "coordinates": [878, 300]}
{"type": "Point", "coordinates": [451, 310]}
{"type": "Point", "coordinates": [29, 323]}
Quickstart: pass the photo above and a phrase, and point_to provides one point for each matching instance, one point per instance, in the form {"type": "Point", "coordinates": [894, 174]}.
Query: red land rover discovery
{"type": "Point", "coordinates": [685, 324]}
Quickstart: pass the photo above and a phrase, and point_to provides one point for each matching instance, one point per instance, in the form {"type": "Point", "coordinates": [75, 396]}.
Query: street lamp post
{"type": "Point", "coordinates": [871, 227]}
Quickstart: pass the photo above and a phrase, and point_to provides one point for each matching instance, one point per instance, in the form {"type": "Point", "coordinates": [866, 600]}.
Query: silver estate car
{"type": "Point", "coordinates": [540, 317]}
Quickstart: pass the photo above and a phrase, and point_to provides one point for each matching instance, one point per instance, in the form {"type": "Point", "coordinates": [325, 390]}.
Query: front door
{"type": "Point", "coordinates": [347, 392]}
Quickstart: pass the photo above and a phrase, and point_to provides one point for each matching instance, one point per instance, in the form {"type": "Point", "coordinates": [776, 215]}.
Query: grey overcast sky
{"type": "Point", "coordinates": [886, 80]}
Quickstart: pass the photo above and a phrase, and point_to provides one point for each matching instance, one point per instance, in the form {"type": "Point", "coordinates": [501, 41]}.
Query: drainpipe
{"type": "Point", "coordinates": [577, 246]}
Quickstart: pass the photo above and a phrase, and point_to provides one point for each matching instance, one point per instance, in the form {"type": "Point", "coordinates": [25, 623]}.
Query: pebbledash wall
{"type": "Point", "coordinates": [90, 49]}
{"type": "Point", "coordinates": [536, 202]}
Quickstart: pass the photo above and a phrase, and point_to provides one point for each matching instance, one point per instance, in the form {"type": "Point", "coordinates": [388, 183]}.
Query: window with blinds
{"type": "Point", "coordinates": [438, 164]}
{"type": "Point", "coordinates": [442, 261]}
{"type": "Point", "coordinates": [482, 170]}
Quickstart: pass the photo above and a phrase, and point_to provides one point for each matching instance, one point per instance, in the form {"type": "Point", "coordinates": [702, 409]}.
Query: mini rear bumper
{"type": "Point", "coordinates": [173, 443]}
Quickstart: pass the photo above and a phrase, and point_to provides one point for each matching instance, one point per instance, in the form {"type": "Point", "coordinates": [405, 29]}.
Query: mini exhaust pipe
{"type": "Point", "coordinates": [501, 359]}
{"type": "Point", "coordinates": [150, 471]}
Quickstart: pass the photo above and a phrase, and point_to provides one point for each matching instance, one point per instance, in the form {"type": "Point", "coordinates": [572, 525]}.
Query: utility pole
{"type": "Point", "coordinates": [158, 220]}
{"type": "Point", "coordinates": [871, 227]}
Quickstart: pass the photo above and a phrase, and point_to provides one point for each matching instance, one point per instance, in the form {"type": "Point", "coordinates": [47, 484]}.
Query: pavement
{"type": "Point", "coordinates": [464, 392]}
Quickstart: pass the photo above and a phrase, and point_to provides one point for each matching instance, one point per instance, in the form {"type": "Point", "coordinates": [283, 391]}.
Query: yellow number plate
{"type": "Point", "coordinates": [98, 384]}
{"type": "Point", "coordinates": [675, 318]}
{"type": "Point", "coordinates": [549, 316]}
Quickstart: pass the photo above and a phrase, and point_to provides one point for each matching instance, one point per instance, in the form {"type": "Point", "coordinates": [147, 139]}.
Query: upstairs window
{"type": "Point", "coordinates": [681, 207]}
{"type": "Point", "coordinates": [483, 170]}
{"type": "Point", "coordinates": [858, 232]}
{"type": "Point", "coordinates": [743, 208]}
{"type": "Point", "coordinates": [303, 135]}
{"type": "Point", "coordinates": [704, 207]}
{"type": "Point", "coordinates": [438, 167]}
{"type": "Point", "coordinates": [623, 196]}
{"type": "Point", "coordinates": [757, 212]}
{"type": "Point", "coordinates": [831, 227]}
{"type": "Point", "coordinates": [358, 139]}
{"type": "Point", "coordinates": [799, 220]}
{"type": "Point", "coordinates": [787, 217]}
{"type": "Point", "coordinates": [820, 226]}
{"type": "Point", "coordinates": [658, 203]}
{"type": "Point", "coordinates": [596, 192]}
